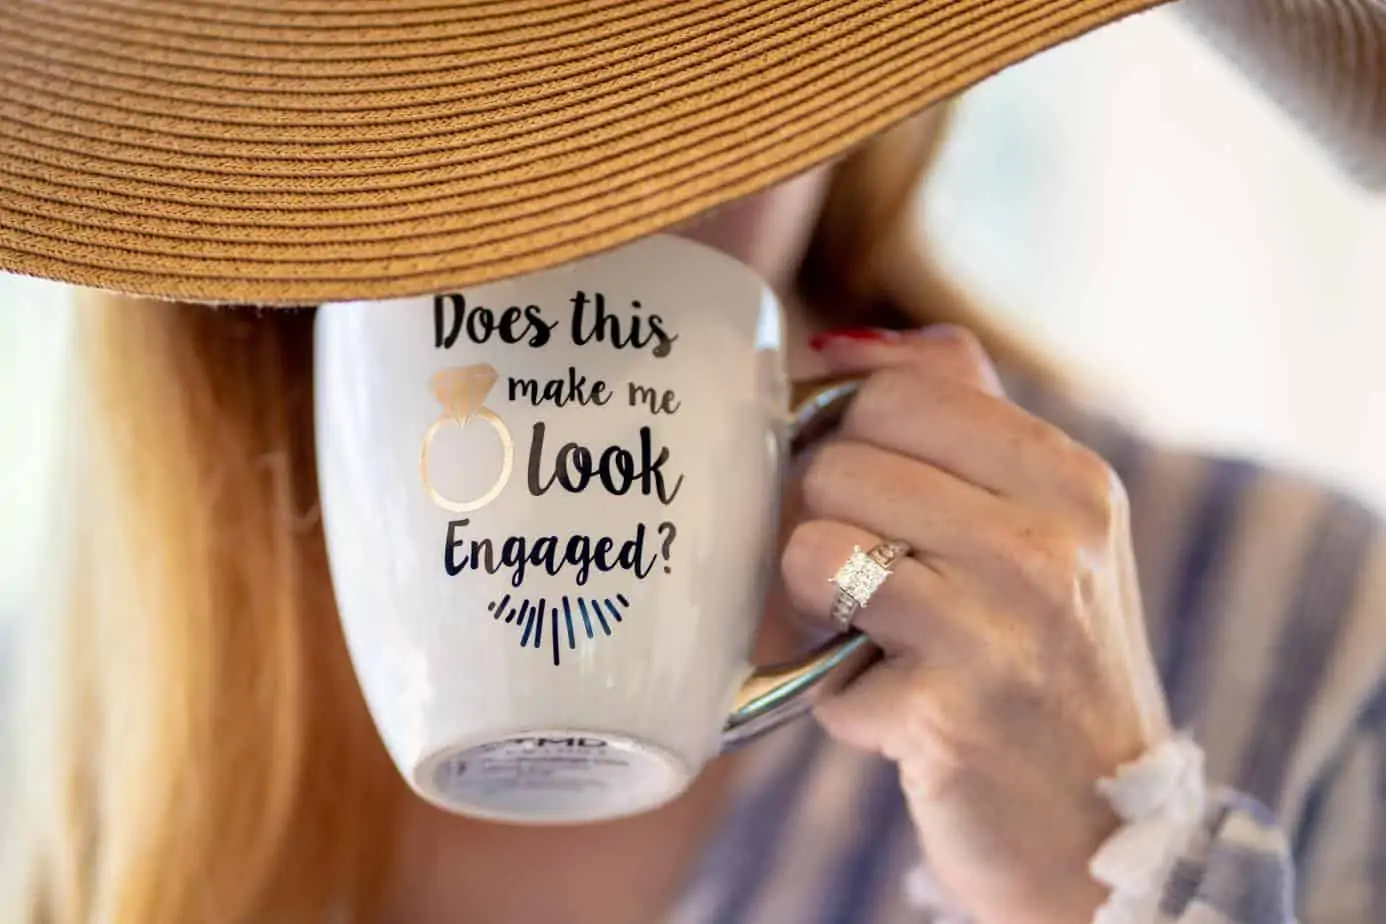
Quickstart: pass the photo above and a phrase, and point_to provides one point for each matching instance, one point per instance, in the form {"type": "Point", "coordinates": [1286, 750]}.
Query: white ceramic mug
{"type": "Point", "coordinates": [550, 506]}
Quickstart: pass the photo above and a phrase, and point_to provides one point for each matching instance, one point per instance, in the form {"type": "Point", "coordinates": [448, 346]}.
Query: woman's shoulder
{"type": "Point", "coordinates": [1265, 599]}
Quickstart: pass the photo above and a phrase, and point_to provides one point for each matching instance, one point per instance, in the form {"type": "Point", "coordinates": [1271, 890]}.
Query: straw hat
{"type": "Point", "coordinates": [299, 151]}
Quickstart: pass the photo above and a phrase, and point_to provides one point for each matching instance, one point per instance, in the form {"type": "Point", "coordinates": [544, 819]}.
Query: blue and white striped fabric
{"type": "Point", "coordinates": [1265, 597]}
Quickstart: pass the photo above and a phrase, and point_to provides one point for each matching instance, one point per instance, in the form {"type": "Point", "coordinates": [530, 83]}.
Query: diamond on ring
{"type": "Point", "coordinates": [462, 390]}
{"type": "Point", "coordinates": [861, 576]}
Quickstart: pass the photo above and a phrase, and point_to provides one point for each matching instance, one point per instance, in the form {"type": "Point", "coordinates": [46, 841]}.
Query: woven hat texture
{"type": "Point", "coordinates": [301, 151]}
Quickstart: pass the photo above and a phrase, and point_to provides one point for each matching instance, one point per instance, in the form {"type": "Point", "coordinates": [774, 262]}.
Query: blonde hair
{"type": "Point", "coordinates": [210, 761]}
{"type": "Point", "coordinates": [197, 751]}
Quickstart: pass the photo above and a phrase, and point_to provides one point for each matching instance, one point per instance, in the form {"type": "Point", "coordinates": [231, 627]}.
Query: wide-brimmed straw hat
{"type": "Point", "coordinates": [300, 151]}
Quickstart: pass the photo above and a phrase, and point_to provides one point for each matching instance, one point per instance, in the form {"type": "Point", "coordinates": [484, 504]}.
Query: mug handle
{"type": "Point", "coordinates": [774, 694]}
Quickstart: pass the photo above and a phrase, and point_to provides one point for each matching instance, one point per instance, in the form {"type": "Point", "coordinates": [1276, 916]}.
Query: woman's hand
{"type": "Point", "coordinates": [1017, 671]}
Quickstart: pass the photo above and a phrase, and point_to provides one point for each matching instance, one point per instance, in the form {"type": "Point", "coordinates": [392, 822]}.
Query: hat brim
{"type": "Point", "coordinates": [280, 152]}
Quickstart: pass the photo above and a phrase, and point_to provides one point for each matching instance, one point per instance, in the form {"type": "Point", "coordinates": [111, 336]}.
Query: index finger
{"type": "Point", "coordinates": [942, 350]}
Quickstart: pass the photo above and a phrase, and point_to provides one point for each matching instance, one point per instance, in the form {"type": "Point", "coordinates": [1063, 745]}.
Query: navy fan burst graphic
{"type": "Point", "coordinates": [588, 616]}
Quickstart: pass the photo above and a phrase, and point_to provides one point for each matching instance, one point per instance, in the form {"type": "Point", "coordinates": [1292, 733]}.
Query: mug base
{"type": "Point", "coordinates": [552, 777]}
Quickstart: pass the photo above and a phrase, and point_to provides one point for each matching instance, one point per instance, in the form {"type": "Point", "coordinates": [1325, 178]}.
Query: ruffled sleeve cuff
{"type": "Point", "coordinates": [1182, 854]}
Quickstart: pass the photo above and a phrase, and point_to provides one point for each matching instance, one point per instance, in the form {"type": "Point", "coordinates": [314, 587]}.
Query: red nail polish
{"type": "Point", "coordinates": [860, 334]}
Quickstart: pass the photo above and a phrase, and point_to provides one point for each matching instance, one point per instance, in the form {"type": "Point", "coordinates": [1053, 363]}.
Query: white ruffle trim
{"type": "Point", "coordinates": [926, 894]}
{"type": "Point", "coordinates": [1160, 798]}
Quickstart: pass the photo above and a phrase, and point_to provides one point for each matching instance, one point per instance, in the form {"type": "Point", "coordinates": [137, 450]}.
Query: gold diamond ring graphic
{"type": "Point", "coordinates": [462, 392]}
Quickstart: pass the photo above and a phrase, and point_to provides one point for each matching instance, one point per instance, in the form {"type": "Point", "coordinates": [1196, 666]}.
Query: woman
{"type": "Point", "coordinates": [200, 750]}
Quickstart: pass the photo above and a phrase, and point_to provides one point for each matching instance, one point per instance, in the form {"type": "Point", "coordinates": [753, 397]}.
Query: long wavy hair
{"type": "Point", "coordinates": [195, 747]}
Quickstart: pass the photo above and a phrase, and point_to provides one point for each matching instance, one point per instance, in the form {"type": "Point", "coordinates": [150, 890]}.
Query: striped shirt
{"type": "Point", "coordinates": [1265, 598]}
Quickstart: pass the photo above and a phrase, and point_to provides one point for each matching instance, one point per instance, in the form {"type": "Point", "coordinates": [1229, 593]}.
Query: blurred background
{"type": "Point", "coordinates": [1136, 205]}
{"type": "Point", "coordinates": [1128, 200]}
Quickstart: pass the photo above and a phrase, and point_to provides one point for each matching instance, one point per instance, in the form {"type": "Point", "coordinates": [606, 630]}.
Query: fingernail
{"type": "Point", "coordinates": [822, 341]}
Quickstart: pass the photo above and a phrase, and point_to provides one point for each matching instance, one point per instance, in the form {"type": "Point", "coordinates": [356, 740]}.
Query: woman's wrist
{"type": "Point", "coordinates": [1154, 807]}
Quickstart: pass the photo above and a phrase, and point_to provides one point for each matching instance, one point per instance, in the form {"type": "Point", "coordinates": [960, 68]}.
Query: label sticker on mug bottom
{"type": "Point", "coordinates": [556, 770]}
